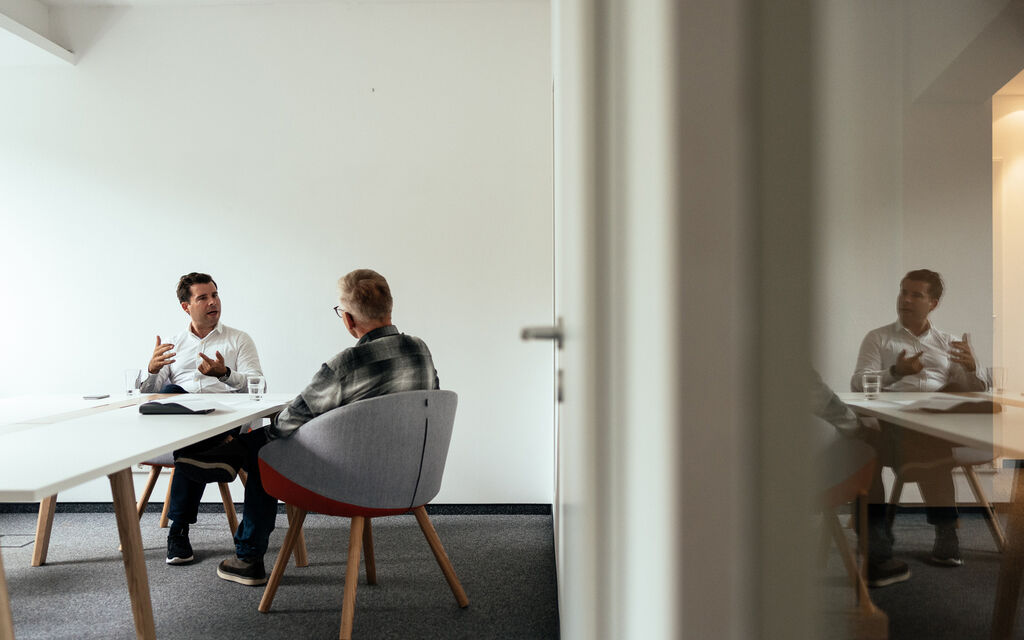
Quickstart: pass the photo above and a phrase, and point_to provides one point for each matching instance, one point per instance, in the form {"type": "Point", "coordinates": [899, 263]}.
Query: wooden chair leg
{"type": "Point", "coordinates": [990, 515]}
{"type": "Point", "coordinates": [281, 563]}
{"type": "Point", "coordinates": [243, 476]}
{"type": "Point", "coordinates": [348, 602]}
{"type": "Point", "coordinates": [894, 500]}
{"type": "Point", "coordinates": [441, 556]}
{"type": "Point", "coordinates": [167, 501]}
{"type": "Point", "coordinates": [368, 558]}
{"type": "Point", "coordinates": [154, 473]}
{"type": "Point", "coordinates": [301, 558]}
{"type": "Point", "coordinates": [6, 619]}
{"type": "Point", "coordinates": [229, 506]}
{"type": "Point", "coordinates": [44, 524]}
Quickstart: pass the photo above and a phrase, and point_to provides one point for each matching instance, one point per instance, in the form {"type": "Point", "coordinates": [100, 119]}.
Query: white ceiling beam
{"type": "Point", "coordinates": [25, 35]}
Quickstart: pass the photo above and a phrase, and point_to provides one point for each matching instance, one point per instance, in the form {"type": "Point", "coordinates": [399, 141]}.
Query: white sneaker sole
{"type": "Point", "coordinates": [249, 582]}
{"type": "Point", "coordinates": [180, 560]}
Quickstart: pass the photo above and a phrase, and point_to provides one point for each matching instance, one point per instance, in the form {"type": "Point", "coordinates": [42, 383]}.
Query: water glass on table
{"type": "Point", "coordinates": [996, 379]}
{"type": "Point", "coordinates": [872, 384]}
{"type": "Point", "coordinates": [257, 387]}
{"type": "Point", "coordinates": [132, 382]}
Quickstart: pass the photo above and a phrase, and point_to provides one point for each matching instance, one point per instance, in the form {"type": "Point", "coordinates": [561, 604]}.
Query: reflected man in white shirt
{"type": "Point", "coordinates": [913, 355]}
{"type": "Point", "coordinates": [206, 357]}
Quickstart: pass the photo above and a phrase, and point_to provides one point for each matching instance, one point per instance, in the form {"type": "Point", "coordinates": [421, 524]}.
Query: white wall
{"type": "Point", "coordinates": [907, 179]}
{"type": "Point", "coordinates": [277, 147]}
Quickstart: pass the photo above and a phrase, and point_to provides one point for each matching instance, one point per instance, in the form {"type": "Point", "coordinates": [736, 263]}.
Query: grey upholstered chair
{"type": "Point", "coordinates": [377, 457]}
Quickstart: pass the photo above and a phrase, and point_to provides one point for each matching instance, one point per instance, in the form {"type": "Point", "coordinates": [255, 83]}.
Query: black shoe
{"type": "Point", "coordinates": [179, 550]}
{"type": "Point", "coordinates": [219, 464]}
{"type": "Point", "coordinates": [891, 571]}
{"type": "Point", "coordinates": [242, 571]}
{"type": "Point", "coordinates": [946, 550]}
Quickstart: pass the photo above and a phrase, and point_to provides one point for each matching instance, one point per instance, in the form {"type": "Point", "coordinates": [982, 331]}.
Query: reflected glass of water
{"type": "Point", "coordinates": [872, 383]}
{"type": "Point", "coordinates": [257, 387]}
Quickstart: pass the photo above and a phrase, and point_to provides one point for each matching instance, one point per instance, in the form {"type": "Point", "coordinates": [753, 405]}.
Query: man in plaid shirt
{"type": "Point", "coordinates": [383, 361]}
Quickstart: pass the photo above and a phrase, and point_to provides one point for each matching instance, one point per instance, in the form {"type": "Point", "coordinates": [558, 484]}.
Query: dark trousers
{"type": "Point", "coordinates": [919, 458]}
{"type": "Point", "coordinates": [183, 504]}
{"type": "Point", "coordinates": [260, 512]}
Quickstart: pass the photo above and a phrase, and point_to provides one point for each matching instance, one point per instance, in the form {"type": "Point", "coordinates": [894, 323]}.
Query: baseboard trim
{"type": "Point", "coordinates": [216, 507]}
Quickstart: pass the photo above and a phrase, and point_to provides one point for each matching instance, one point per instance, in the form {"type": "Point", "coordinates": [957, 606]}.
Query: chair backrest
{"type": "Point", "coordinates": [386, 452]}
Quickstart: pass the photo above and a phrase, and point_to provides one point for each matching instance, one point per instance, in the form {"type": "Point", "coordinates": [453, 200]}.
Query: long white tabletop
{"type": "Point", "coordinates": [1002, 431]}
{"type": "Point", "coordinates": [48, 444]}
{"type": "Point", "coordinates": [57, 448]}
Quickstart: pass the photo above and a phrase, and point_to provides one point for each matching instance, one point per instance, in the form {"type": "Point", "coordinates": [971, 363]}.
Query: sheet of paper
{"type": "Point", "coordinates": [935, 404]}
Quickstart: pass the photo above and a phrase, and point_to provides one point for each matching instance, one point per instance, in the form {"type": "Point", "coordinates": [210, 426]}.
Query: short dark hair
{"type": "Point", "coordinates": [186, 281]}
{"type": "Point", "coordinates": [365, 294]}
{"type": "Point", "coordinates": [933, 279]}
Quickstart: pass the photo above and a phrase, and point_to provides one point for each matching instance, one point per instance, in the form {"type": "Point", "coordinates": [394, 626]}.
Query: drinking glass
{"type": "Point", "coordinates": [132, 382]}
{"type": "Point", "coordinates": [997, 379]}
{"type": "Point", "coordinates": [257, 387]}
{"type": "Point", "coordinates": [872, 383]}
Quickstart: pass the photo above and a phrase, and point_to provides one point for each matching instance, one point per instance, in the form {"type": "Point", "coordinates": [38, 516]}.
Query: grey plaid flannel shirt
{"type": "Point", "coordinates": [383, 361]}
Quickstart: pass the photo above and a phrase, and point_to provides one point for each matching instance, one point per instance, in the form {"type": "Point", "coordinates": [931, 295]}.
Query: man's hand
{"type": "Point", "coordinates": [214, 368]}
{"type": "Point", "coordinates": [162, 355]}
{"type": "Point", "coordinates": [908, 366]}
{"type": "Point", "coordinates": [960, 353]}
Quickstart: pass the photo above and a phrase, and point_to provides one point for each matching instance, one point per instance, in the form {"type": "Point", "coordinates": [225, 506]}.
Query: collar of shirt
{"type": "Point", "coordinates": [188, 331]}
{"type": "Point", "coordinates": [379, 332]}
{"type": "Point", "coordinates": [927, 332]}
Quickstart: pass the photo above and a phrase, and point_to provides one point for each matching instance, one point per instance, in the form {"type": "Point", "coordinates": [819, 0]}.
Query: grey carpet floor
{"type": "Point", "coordinates": [936, 603]}
{"type": "Point", "coordinates": [505, 564]}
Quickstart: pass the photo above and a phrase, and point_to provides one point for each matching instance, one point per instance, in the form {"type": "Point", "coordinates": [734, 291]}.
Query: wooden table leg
{"type": "Point", "coordinates": [6, 619]}
{"type": "Point", "coordinates": [1012, 566]}
{"type": "Point", "coordinates": [44, 524]}
{"type": "Point", "coordinates": [123, 490]}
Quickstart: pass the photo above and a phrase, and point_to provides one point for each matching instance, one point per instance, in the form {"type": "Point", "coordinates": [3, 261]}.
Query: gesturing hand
{"type": "Point", "coordinates": [215, 368]}
{"type": "Point", "coordinates": [908, 366]}
{"type": "Point", "coordinates": [960, 353]}
{"type": "Point", "coordinates": [162, 355]}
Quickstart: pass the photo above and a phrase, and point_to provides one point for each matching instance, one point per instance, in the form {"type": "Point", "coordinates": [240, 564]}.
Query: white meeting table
{"type": "Point", "coordinates": [1003, 433]}
{"type": "Point", "coordinates": [50, 444]}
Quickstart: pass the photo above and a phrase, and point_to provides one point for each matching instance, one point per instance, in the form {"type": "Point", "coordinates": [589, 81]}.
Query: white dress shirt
{"type": "Point", "coordinates": [881, 348]}
{"type": "Point", "coordinates": [236, 346]}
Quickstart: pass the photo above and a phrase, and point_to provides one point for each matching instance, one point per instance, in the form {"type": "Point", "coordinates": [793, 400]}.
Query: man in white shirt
{"type": "Point", "coordinates": [206, 357]}
{"type": "Point", "coordinates": [912, 355]}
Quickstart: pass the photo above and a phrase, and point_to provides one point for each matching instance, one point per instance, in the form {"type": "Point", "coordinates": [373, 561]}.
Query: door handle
{"type": "Point", "coordinates": [548, 332]}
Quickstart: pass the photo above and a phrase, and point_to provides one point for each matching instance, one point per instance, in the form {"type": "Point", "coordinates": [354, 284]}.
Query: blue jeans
{"type": "Point", "coordinates": [260, 512]}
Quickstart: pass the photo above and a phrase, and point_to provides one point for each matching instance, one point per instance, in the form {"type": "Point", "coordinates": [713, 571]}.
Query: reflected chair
{"type": "Point", "coordinates": [847, 467]}
{"type": "Point", "coordinates": [377, 457]}
{"type": "Point", "coordinates": [967, 458]}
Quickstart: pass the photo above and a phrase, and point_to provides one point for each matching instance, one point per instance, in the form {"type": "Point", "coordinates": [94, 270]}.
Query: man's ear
{"type": "Point", "coordinates": [935, 303]}
{"type": "Point", "coordinates": [184, 307]}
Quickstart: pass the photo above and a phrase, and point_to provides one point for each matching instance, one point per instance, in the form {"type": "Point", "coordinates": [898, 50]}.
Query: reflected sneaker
{"type": "Point", "coordinates": [946, 550]}
{"type": "Point", "coordinates": [243, 571]}
{"type": "Point", "coordinates": [179, 550]}
{"type": "Point", "coordinates": [886, 572]}
{"type": "Point", "coordinates": [219, 464]}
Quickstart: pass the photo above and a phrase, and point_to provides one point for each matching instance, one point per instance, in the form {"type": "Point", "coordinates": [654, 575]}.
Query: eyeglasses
{"type": "Point", "coordinates": [341, 312]}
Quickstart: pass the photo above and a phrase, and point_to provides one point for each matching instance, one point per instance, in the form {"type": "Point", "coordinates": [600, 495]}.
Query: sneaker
{"type": "Point", "coordinates": [886, 572]}
{"type": "Point", "coordinates": [219, 464]}
{"type": "Point", "coordinates": [946, 551]}
{"type": "Point", "coordinates": [243, 571]}
{"type": "Point", "coordinates": [179, 550]}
